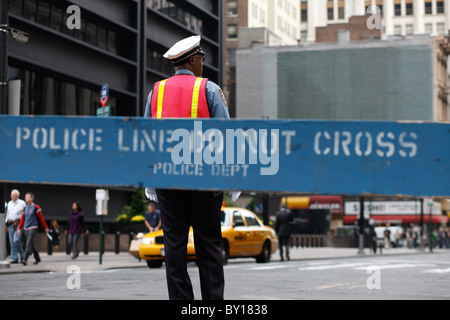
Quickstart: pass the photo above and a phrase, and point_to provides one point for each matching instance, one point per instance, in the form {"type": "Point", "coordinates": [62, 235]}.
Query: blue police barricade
{"type": "Point", "coordinates": [305, 156]}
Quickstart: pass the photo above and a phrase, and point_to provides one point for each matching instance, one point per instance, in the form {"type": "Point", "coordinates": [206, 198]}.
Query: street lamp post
{"type": "Point", "coordinates": [3, 103]}
{"type": "Point", "coordinates": [4, 32]}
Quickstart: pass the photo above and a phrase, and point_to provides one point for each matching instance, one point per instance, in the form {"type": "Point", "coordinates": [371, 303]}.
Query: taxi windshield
{"type": "Point", "coordinates": [224, 218]}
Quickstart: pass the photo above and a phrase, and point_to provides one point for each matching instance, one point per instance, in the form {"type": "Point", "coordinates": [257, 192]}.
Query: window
{"type": "Point", "coordinates": [101, 37]}
{"type": "Point", "coordinates": [428, 7]}
{"type": "Point", "coordinates": [341, 13]}
{"type": "Point", "coordinates": [440, 7]}
{"type": "Point", "coordinates": [409, 9]}
{"type": "Point", "coordinates": [428, 28]}
{"type": "Point", "coordinates": [398, 30]}
{"type": "Point", "coordinates": [52, 14]}
{"type": "Point", "coordinates": [91, 33]}
{"type": "Point", "coordinates": [56, 18]}
{"type": "Point", "coordinates": [16, 7]}
{"type": "Point", "coordinates": [303, 35]}
{"type": "Point", "coordinates": [232, 7]}
{"type": "Point", "coordinates": [237, 219]}
{"type": "Point", "coordinates": [111, 42]}
{"type": "Point", "coordinates": [250, 219]}
{"type": "Point", "coordinates": [232, 31]}
{"type": "Point", "coordinates": [330, 13]}
{"type": "Point", "coordinates": [41, 94]}
{"type": "Point", "coordinates": [30, 10]}
{"type": "Point", "coordinates": [409, 29]}
{"type": "Point", "coordinates": [398, 9]}
{"type": "Point", "coordinates": [170, 9]}
{"type": "Point", "coordinates": [304, 15]}
{"type": "Point", "coordinates": [224, 219]}
{"type": "Point", "coordinates": [43, 16]}
{"type": "Point", "coordinates": [440, 28]}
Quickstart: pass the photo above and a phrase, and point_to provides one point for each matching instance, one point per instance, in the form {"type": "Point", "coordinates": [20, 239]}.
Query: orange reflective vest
{"type": "Point", "coordinates": [181, 96]}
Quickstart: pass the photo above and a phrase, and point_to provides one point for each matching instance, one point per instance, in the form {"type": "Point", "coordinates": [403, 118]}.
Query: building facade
{"type": "Point", "coordinates": [399, 17]}
{"type": "Point", "coordinates": [77, 46]}
{"type": "Point", "coordinates": [396, 79]}
{"type": "Point", "coordinates": [275, 22]}
{"type": "Point", "coordinates": [63, 68]}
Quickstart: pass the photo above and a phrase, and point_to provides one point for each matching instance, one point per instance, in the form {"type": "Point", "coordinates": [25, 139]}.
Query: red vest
{"type": "Point", "coordinates": [181, 96]}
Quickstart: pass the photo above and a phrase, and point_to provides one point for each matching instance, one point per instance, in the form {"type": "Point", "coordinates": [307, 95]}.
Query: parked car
{"type": "Point", "coordinates": [243, 235]}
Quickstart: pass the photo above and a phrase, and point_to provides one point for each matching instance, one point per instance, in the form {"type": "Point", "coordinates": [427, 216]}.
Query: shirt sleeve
{"type": "Point", "coordinates": [216, 101]}
{"type": "Point", "coordinates": [22, 221]}
{"type": "Point", "coordinates": [40, 217]}
{"type": "Point", "coordinates": [148, 107]}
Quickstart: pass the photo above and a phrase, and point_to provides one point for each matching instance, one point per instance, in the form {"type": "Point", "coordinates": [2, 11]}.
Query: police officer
{"type": "Point", "coordinates": [188, 95]}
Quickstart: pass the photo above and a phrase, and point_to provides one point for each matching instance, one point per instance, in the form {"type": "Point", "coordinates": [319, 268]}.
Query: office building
{"type": "Point", "coordinates": [77, 46]}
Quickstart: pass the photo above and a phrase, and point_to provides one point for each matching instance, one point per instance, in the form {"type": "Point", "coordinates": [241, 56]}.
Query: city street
{"type": "Point", "coordinates": [418, 276]}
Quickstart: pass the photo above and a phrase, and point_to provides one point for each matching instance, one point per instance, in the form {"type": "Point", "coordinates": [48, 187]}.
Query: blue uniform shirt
{"type": "Point", "coordinates": [216, 101]}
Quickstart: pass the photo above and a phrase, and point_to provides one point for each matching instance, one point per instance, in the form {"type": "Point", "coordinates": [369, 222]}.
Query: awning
{"type": "Point", "coordinates": [400, 219]}
{"type": "Point", "coordinates": [332, 203]}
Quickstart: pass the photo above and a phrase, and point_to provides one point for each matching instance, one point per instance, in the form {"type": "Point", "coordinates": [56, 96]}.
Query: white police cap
{"type": "Point", "coordinates": [184, 49]}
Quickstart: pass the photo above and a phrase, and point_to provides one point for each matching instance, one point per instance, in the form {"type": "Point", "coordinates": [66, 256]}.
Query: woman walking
{"type": "Point", "coordinates": [75, 228]}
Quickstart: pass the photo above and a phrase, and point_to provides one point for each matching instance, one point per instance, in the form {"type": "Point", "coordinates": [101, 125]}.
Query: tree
{"type": "Point", "coordinates": [135, 208]}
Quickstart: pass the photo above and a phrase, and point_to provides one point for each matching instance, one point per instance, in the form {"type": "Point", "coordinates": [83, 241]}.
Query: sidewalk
{"type": "Point", "coordinates": [59, 262]}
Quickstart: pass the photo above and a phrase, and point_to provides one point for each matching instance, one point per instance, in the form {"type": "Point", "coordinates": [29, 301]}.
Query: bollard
{"type": "Point", "coordinates": [130, 238]}
{"type": "Point", "coordinates": [302, 242]}
{"type": "Point", "coordinates": [3, 263]}
{"type": "Point", "coordinates": [67, 244]}
{"type": "Point", "coordinates": [86, 243]}
{"type": "Point", "coordinates": [117, 244]}
{"type": "Point", "coordinates": [103, 242]}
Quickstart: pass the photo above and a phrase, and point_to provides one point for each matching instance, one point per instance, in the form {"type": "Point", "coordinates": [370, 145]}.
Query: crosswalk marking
{"type": "Point", "coordinates": [437, 271]}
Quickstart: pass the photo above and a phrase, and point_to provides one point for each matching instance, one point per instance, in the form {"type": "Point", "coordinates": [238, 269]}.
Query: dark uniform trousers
{"type": "Point", "coordinates": [181, 209]}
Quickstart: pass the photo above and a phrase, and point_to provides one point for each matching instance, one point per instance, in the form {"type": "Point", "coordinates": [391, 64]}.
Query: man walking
{"type": "Point", "coordinates": [31, 217]}
{"type": "Point", "coordinates": [14, 211]}
{"type": "Point", "coordinates": [283, 229]}
{"type": "Point", "coordinates": [188, 95]}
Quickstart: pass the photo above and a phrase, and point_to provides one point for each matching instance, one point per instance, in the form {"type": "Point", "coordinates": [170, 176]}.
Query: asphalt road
{"type": "Point", "coordinates": [408, 277]}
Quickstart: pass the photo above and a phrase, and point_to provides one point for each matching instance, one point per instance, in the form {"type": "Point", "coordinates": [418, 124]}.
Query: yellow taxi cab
{"type": "Point", "coordinates": [243, 235]}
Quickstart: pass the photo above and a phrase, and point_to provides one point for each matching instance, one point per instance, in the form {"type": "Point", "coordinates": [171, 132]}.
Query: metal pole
{"type": "Point", "coordinates": [361, 226]}
{"type": "Point", "coordinates": [422, 241]}
{"type": "Point", "coordinates": [3, 263]}
{"type": "Point", "coordinates": [100, 234]}
{"type": "Point", "coordinates": [3, 57]}
{"type": "Point", "coordinates": [266, 209]}
{"type": "Point", "coordinates": [430, 225]}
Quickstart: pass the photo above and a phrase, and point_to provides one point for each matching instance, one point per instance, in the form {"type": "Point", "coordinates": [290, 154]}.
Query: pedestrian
{"type": "Point", "coordinates": [403, 238]}
{"type": "Point", "coordinates": [373, 236]}
{"type": "Point", "coordinates": [283, 229]}
{"type": "Point", "coordinates": [188, 95]}
{"type": "Point", "coordinates": [75, 228]}
{"type": "Point", "coordinates": [387, 238]}
{"type": "Point", "coordinates": [53, 231]}
{"type": "Point", "coordinates": [31, 217]}
{"type": "Point", "coordinates": [152, 218]}
{"type": "Point", "coordinates": [14, 211]}
{"type": "Point", "coordinates": [398, 238]}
